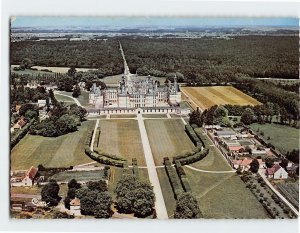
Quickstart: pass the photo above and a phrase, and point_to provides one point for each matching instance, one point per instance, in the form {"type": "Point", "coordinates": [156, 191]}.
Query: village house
{"type": "Point", "coordinates": [244, 164]}
{"type": "Point", "coordinates": [41, 103]}
{"type": "Point", "coordinates": [276, 172]}
{"type": "Point", "coordinates": [24, 179]}
{"type": "Point", "coordinates": [19, 125]}
{"type": "Point", "coordinates": [75, 207]}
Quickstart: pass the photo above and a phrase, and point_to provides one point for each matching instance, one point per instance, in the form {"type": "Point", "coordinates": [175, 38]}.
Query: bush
{"type": "Point", "coordinates": [191, 133]}
{"type": "Point", "coordinates": [102, 159]}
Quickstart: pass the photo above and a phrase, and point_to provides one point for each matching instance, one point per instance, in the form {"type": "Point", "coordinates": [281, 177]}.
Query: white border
{"type": "Point", "coordinates": [126, 8]}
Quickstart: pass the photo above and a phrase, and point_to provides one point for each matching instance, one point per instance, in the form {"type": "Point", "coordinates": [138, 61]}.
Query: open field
{"type": "Point", "coordinates": [29, 71]}
{"type": "Point", "coordinates": [284, 137]}
{"type": "Point", "coordinates": [65, 150]}
{"type": "Point", "coordinates": [206, 97]}
{"type": "Point", "coordinates": [224, 196]}
{"type": "Point", "coordinates": [55, 69]}
{"type": "Point", "coordinates": [167, 138]}
{"type": "Point", "coordinates": [122, 137]}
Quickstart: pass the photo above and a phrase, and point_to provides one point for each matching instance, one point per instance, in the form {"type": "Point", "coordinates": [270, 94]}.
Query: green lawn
{"type": "Point", "coordinates": [167, 138]}
{"type": "Point", "coordinates": [31, 72]}
{"type": "Point", "coordinates": [123, 116]}
{"type": "Point", "coordinates": [83, 98]}
{"type": "Point", "coordinates": [64, 99]}
{"type": "Point", "coordinates": [122, 137]}
{"type": "Point", "coordinates": [155, 115]}
{"type": "Point", "coordinates": [167, 191]}
{"type": "Point", "coordinates": [224, 196]}
{"type": "Point", "coordinates": [65, 150]}
{"type": "Point", "coordinates": [214, 161]}
{"type": "Point", "coordinates": [285, 138]}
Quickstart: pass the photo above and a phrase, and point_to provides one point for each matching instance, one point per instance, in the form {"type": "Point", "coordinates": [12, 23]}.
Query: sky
{"type": "Point", "coordinates": [33, 21]}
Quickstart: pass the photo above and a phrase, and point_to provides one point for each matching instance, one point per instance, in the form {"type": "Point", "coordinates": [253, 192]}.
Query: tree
{"type": "Point", "coordinates": [26, 63]}
{"type": "Point", "coordinates": [134, 196]}
{"type": "Point", "coordinates": [269, 162]}
{"type": "Point", "coordinates": [74, 184]}
{"type": "Point", "coordinates": [247, 116]}
{"type": "Point", "coordinates": [30, 114]}
{"type": "Point", "coordinates": [76, 91]}
{"type": "Point", "coordinates": [196, 118]}
{"type": "Point", "coordinates": [187, 207]}
{"type": "Point", "coordinates": [100, 185]}
{"type": "Point", "coordinates": [254, 166]}
{"type": "Point", "coordinates": [103, 204]}
{"type": "Point", "coordinates": [78, 111]}
{"type": "Point", "coordinates": [49, 193]}
{"type": "Point", "coordinates": [72, 71]}
{"type": "Point", "coordinates": [66, 124]}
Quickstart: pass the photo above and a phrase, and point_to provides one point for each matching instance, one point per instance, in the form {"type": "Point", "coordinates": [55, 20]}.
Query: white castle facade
{"type": "Point", "coordinates": [136, 94]}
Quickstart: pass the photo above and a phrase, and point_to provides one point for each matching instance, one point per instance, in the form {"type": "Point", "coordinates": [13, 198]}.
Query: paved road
{"type": "Point", "coordinates": [160, 205]}
{"type": "Point", "coordinates": [278, 193]}
{"type": "Point", "coordinates": [94, 134]}
{"type": "Point", "coordinates": [126, 68]}
{"type": "Point", "coordinates": [75, 100]}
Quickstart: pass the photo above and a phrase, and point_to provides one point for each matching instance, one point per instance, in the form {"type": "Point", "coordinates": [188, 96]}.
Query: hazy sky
{"type": "Point", "coordinates": [58, 21]}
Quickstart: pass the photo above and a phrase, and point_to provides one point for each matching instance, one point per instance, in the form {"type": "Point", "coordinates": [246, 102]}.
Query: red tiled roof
{"type": "Point", "coordinates": [75, 202]}
{"type": "Point", "coordinates": [31, 173]}
{"type": "Point", "coordinates": [246, 162]}
{"type": "Point", "coordinates": [272, 170]}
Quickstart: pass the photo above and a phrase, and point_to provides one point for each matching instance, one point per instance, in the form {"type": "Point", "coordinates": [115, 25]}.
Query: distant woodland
{"type": "Point", "coordinates": [199, 60]}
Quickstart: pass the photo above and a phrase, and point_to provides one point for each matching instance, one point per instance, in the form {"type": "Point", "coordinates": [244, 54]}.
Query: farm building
{"type": "Point", "coordinates": [229, 134]}
{"type": "Point", "coordinates": [276, 172]}
{"type": "Point", "coordinates": [24, 179]}
{"type": "Point", "coordinates": [19, 125]}
{"type": "Point", "coordinates": [75, 207]}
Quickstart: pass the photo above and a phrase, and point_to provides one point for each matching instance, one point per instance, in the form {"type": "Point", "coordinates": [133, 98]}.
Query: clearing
{"type": "Point", "coordinates": [206, 97]}
{"type": "Point", "coordinates": [167, 138]}
{"type": "Point", "coordinates": [62, 151]}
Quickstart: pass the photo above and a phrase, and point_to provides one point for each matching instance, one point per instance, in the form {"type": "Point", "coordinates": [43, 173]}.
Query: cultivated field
{"type": "Point", "coordinates": [65, 150]}
{"type": "Point", "coordinates": [205, 97]}
{"type": "Point", "coordinates": [284, 137]}
{"type": "Point", "coordinates": [167, 138]}
{"type": "Point", "coordinates": [122, 137]}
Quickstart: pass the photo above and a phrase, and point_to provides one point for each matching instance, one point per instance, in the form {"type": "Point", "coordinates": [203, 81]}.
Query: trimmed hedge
{"type": "Point", "coordinates": [191, 133]}
{"type": "Point", "coordinates": [110, 156]}
{"type": "Point", "coordinates": [89, 137]}
{"type": "Point", "coordinates": [20, 134]}
{"type": "Point", "coordinates": [194, 158]}
{"type": "Point", "coordinates": [102, 159]}
{"type": "Point", "coordinates": [183, 178]}
{"type": "Point", "coordinates": [187, 154]}
{"type": "Point", "coordinates": [173, 178]}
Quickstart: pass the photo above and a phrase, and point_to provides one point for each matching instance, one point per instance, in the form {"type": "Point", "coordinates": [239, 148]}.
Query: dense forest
{"type": "Point", "coordinates": [213, 60]}
{"type": "Point", "coordinates": [200, 60]}
{"type": "Point", "coordinates": [104, 55]}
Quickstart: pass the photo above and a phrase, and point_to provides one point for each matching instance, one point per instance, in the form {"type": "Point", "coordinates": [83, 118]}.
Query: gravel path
{"type": "Point", "coordinates": [160, 205]}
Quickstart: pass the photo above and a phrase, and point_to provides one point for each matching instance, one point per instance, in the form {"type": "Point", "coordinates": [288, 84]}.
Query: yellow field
{"type": "Point", "coordinates": [205, 97]}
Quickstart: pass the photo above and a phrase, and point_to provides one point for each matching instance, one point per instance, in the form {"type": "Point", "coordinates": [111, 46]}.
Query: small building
{"type": "Point", "coordinates": [75, 207]}
{"type": "Point", "coordinates": [24, 179]}
{"type": "Point", "coordinates": [244, 164]}
{"type": "Point", "coordinates": [276, 172]}
{"type": "Point", "coordinates": [42, 103]}
{"type": "Point", "coordinates": [226, 134]}
{"type": "Point", "coordinates": [20, 124]}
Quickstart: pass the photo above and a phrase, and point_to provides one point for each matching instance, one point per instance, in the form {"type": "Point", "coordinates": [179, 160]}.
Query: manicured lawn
{"type": "Point", "coordinates": [206, 97]}
{"type": "Point", "coordinates": [167, 191]}
{"type": "Point", "coordinates": [123, 116]}
{"type": "Point", "coordinates": [66, 176]}
{"type": "Point", "coordinates": [224, 196]}
{"type": "Point", "coordinates": [167, 138]}
{"type": "Point", "coordinates": [122, 137]}
{"type": "Point", "coordinates": [214, 161]}
{"type": "Point", "coordinates": [64, 99]}
{"type": "Point", "coordinates": [285, 138]}
{"type": "Point", "coordinates": [66, 150]}
{"type": "Point", "coordinates": [83, 98]}
{"type": "Point", "coordinates": [155, 115]}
